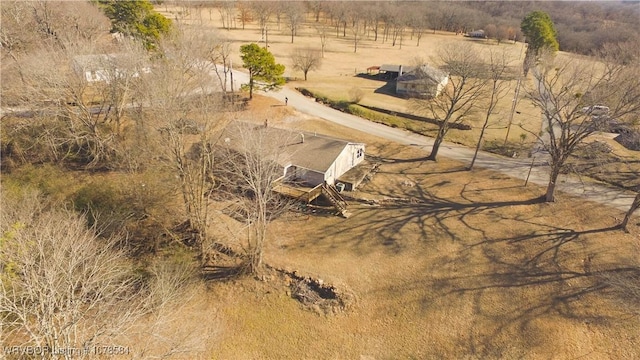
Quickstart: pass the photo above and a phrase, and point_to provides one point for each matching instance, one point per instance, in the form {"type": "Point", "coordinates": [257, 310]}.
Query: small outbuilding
{"type": "Point", "coordinates": [392, 71]}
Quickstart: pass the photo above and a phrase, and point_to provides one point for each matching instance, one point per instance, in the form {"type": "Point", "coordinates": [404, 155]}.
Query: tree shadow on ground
{"type": "Point", "coordinates": [511, 293]}
{"type": "Point", "coordinates": [423, 214]}
{"type": "Point", "coordinates": [385, 160]}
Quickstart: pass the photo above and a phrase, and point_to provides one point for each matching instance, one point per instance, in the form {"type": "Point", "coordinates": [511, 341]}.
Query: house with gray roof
{"type": "Point", "coordinates": [308, 158]}
{"type": "Point", "coordinates": [423, 81]}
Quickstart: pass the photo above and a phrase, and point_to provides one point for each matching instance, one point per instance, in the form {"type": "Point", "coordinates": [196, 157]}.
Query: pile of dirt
{"type": "Point", "coordinates": [315, 295]}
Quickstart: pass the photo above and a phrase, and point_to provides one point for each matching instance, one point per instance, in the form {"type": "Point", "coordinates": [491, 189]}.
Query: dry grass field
{"type": "Point", "coordinates": [341, 69]}
{"type": "Point", "coordinates": [442, 263]}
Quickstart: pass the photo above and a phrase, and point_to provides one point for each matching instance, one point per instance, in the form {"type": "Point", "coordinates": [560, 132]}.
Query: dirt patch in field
{"type": "Point", "coordinates": [316, 295]}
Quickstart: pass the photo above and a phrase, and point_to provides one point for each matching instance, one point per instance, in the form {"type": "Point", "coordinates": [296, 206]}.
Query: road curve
{"type": "Point", "coordinates": [517, 168]}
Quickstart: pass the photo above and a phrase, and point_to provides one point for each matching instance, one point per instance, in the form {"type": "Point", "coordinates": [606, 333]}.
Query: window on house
{"type": "Point", "coordinates": [359, 153]}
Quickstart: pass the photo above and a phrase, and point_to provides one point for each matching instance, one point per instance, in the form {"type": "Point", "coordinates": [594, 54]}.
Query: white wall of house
{"type": "Point", "coordinates": [97, 75]}
{"type": "Point", "coordinates": [351, 155]}
{"type": "Point", "coordinates": [442, 85]}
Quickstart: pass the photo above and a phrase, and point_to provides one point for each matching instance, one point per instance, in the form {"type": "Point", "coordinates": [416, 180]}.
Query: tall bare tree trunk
{"type": "Point", "coordinates": [436, 145]}
{"type": "Point", "coordinates": [634, 206]}
{"type": "Point", "coordinates": [551, 187]}
{"type": "Point", "coordinates": [475, 154]}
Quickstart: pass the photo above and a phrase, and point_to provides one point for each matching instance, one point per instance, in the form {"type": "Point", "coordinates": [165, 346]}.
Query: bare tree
{"type": "Point", "coordinates": [397, 24]}
{"type": "Point", "coordinates": [634, 206]}
{"type": "Point", "coordinates": [17, 34]}
{"type": "Point", "coordinates": [306, 60]}
{"type": "Point", "coordinates": [491, 31]}
{"type": "Point", "coordinates": [119, 79]}
{"type": "Point", "coordinates": [295, 17]}
{"type": "Point", "coordinates": [32, 26]}
{"type": "Point", "coordinates": [253, 157]}
{"type": "Point", "coordinates": [221, 54]}
{"type": "Point", "coordinates": [66, 83]}
{"type": "Point", "coordinates": [339, 13]}
{"type": "Point", "coordinates": [358, 33]}
{"type": "Point", "coordinates": [216, 49]}
{"type": "Point", "coordinates": [244, 14]}
{"type": "Point", "coordinates": [577, 100]}
{"type": "Point", "coordinates": [457, 100]}
{"type": "Point", "coordinates": [498, 81]}
{"type": "Point", "coordinates": [316, 8]}
{"type": "Point", "coordinates": [62, 287]}
{"type": "Point", "coordinates": [183, 104]}
{"type": "Point", "coordinates": [323, 33]}
{"type": "Point", "coordinates": [419, 25]}
{"type": "Point", "coordinates": [263, 11]}
{"type": "Point", "coordinates": [279, 9]}
{"type": "Point", "coordinates": [172, 328]}
{"type": "Point", "coordinates": [502, 33]}
{"type": "Point", "coordinates": [227, 11]}
{"type": "Point", "coordinates": [373, 15]}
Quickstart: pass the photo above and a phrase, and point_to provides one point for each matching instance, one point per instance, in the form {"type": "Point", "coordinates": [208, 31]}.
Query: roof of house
{"type": "Point", "coordinates": [425, 72]}
{"type": "Point", "coordinates": [102, 61]}
{"type": "Point", "coordinates": [395, 68]}
{"type": "Point", "coordinates": [303, 149]}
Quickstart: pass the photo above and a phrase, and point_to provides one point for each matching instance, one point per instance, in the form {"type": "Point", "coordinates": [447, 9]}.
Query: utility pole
{"type": "Point", "coordinates": [231, 75]}
{"type": "Point", "coordinates": [513, 108]}
{"type": "Point", "coordinates": [515, 97]}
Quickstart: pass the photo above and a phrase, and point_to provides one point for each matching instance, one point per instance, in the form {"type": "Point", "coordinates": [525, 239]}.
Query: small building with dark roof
{"type": "Point", "coordinates": [392, 71]}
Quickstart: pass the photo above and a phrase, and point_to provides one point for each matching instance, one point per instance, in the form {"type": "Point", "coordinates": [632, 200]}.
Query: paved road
{"type": "Point", "coordinates": [517, 168]}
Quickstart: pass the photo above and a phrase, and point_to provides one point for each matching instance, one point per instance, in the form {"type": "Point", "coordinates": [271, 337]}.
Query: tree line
{"type": "Point", "coordinates": [583, 27]}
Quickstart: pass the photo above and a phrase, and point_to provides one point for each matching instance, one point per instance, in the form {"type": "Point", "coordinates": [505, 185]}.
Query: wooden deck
{"type": "Point", "coordinates": [302, 193]}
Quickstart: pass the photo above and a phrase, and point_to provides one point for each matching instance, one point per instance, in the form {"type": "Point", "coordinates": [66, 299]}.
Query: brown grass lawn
{"type": "Point", "coordinates": [447, 264]}
{"type": "Point", "coordinates": [340, 67]}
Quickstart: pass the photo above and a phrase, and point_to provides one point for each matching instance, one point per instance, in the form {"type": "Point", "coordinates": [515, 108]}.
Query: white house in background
{"type": "Point", "coordinates": [424, 81]}
{"type": "Point", "coordinates": [105, 67]}
{"type": "Point", "coordinates": [477, 34]}
{"type": "Point", "coordinates": [307, 158]}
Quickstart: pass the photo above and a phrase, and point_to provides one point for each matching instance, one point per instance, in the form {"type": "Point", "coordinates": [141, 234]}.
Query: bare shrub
{"type": "Point", "coordinates": [64, 287]}
{"type": "Point", "coordinates": [356, 95]}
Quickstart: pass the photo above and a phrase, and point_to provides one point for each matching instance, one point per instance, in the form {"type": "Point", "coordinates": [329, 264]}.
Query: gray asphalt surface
{"type": "Point", "coordinates": [517, 168]}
